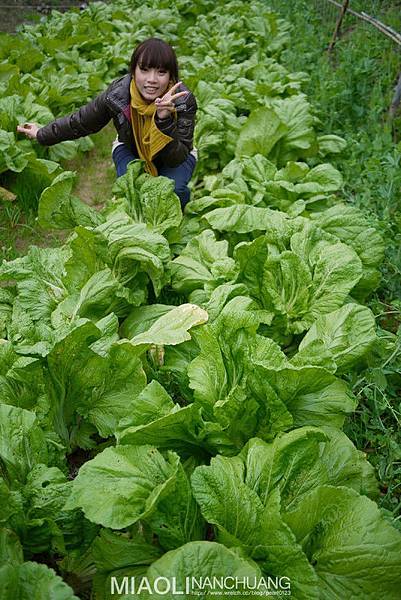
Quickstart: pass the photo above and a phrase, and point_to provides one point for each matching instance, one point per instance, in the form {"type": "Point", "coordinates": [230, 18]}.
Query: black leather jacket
{"type": "Point", "coordinates": [114, 103]}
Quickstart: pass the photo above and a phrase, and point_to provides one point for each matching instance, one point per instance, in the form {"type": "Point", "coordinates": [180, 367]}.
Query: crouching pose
{"type": "Point", "coordinates": [152, 111]}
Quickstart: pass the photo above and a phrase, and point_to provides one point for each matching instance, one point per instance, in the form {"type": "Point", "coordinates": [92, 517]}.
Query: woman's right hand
{"type": "Point", "coordinates": [30, 130]}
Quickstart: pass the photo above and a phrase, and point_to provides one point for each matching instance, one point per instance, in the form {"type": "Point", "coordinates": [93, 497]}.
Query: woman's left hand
{"type": "Point", "coordinates": [165, 105]}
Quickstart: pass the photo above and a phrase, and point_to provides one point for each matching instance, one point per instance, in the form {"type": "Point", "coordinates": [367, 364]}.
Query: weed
{"type": "Point", "coordinates": [351, 98]}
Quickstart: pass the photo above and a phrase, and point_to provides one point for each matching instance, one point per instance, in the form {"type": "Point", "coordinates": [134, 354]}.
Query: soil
{"type": "Point", "coordinates": [85, 189]}
{"type": "Point", "coordinates": [76, 460]}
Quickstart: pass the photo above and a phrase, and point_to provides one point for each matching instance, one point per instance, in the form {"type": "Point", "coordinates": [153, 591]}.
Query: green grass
{"type": "Point", "coordinates": [19, 230]}
{"type": "Point", "coordinates": [351, 94]}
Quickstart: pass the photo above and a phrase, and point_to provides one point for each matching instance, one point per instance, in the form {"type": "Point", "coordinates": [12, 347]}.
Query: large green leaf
{"type": "Point", "coordinates": [287, 283]}
{"type": "Point", "coordinates": [244, 219]}
{"type": "Point", "coordinates": [123, 485]}
{"type": "Point", "coordinates": [21, 378]}
{"type": "Point", "coordinates": [88, 254]}
{"type": "Point", "coordinates": [161, 206]}
{"type": "Point", "coordinates": [300, 138]}
{"type": "Point", "coordinates": [140, 319]}
{"type": "Point", "coordinates": [172, 327]}
{"type": "Point", "coordinates": [39, 277]}
{"type": "Point", "coordinates": [147, 199]}
{"type": "Point", "coordinates": [296, 187]}
{"type": "Point", "coordinates": [312, 395]}
{"type": "Point", "coordinates": [204, 260]}
{"type": "Point", "coordinates": [300, 284]}
{"type": "Point", "coordinates": [97, 385]}
{"type": "Point", "coordinates": [59, 209]}
{"type": "Point", "coordinates": [207, 372]}
{"type": "Point", "coordinates": [283, 463]}
{"type": "Point", "coordinates": [353, 548]}
{"type": "Point", "coordinates": [303, 459]}
{"type": "Point", "coordinates": [112, 550]}
{"type": "Point", "coordinates": [320, 179]}
{"type": "Point", "coordinates": [10, 548]}
{"type": "Point", "coordinates": [22, 443]}
{"type": "Point", "coordinates": [43, 525]}
{"type": "Point", "coordinates": [260, 133]}
{"type": "Point", "coordinates": [32, 580]}
{"type": "Point", "coordinates": [154, 419]}
{"type": "Point", "coordinates": [133, 248]}
{"type": "Point", "coordinates": [226, 501]}
{"type": "Point", "coordinates": [278, 553]}
{"type": "Point", "coordinates": [223, 376]}
{"type": "Point", "coordinates": [116, 555]}
{"type": "Point", "coordinates": [71, 357]}
{"type": "Point", "coordinates": [244, 496]}
{"type": "Point", "coordinates": [101, 295]}
{"type": "Point", "coordinates": [177, 518]}
{"type": "Point", "coordinates": [351, 226]}
{"type": "Point", "coordinates": [13, 156]}
{"type": "Point", "coordinates": [201, 560]}
{"type": "Point", "coordinates": [110, 385]}
{"type": "Point", "coordinates": [337, 270]}
{"type": "Point", "coordinates": [330, 144]}
{"type": "Point", "coordinates": [346, 333]}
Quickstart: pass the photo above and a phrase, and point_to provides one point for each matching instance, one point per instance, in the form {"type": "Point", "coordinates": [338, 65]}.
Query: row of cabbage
{"type": "Point", "coordinates": [201, 361]}
{"type": "Point", "coordinates": [49, 70]}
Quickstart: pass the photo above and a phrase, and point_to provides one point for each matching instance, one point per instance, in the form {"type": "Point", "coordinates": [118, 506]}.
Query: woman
{"type": "Point", "coordinates": [153, 112]}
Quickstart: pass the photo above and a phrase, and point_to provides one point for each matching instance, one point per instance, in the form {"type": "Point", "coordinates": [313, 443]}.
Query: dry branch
{"type": "Point", "coordinates": [6, 195]}
{"type": "Point", "coordinates": [388, 31]}
{"type": "Point", "coordinates": [338, 25]}
{"type": "Point", "coordinates": [396, 99]}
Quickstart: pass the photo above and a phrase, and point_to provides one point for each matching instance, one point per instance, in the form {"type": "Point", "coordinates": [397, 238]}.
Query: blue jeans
{"type": "Point", "coordinates": [180, 175]}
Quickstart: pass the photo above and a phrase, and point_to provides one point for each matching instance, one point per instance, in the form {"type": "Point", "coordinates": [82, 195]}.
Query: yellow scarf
{"type": "Point", "coordinates": [149, 139]}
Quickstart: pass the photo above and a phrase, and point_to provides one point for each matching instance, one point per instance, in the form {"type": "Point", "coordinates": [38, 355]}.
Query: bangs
{"type": "Point", "coordinates": [154, 58]}
{"type": "Point", "coordinates": [155, 54]}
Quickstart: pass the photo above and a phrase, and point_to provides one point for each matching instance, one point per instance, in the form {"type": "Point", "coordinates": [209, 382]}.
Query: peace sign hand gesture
{"type": "Point", "coordinates": [165, 105]}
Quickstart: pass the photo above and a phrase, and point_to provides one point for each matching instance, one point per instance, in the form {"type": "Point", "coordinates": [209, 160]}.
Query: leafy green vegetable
{"type": "Point", "coordinates": [132, 478]}
{"type": "Point", "coordinates": [349, 559]}
{"type": "Point", "coordinates": [22, 443]}
{"type": "Point", "coordinates": [134, 248]}
{"type": "Point", "coordinates": [350, 226]}
{"type": "Point", "coordinates": [153, 418]}
{"type": "Point", "coordinates": [58, 209]}
{"type": "Point", "coordinates": [272, 502]}
{"type": "Point", "coordinates": [30, 580]}
{"type": "Point", "coordinates": [204, 262]}
{"type": "Point", "coordinates": [298, 285]}
{"type": "Point", "coordinates": [347, 334]}
{"type": "Point", "coordinates": [202, 559]}
{"type": "Point", "coordinates": [260, 133]}
{"type": "Point", "coordinates": [147, 199]}
{"type": "Point", "coordinates": [172, 327]}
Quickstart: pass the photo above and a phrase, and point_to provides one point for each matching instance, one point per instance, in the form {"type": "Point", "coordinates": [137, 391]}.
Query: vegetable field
{"type": "Point", "coordinates": [175, 388]}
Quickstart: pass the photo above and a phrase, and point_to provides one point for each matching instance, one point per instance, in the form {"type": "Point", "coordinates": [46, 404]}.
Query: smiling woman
{"type": "Point", "coordinates": [152, 111]}
{"type": "Point", "coordinates": [154, 65]}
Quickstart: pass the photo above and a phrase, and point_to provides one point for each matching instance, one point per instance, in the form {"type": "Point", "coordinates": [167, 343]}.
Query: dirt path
{"type": "Point", "coordinates": [16, 12]}
{"type": "Point", "coordinates": [95, 169]}
{"type": "Point", "coordinates": [95, 178]}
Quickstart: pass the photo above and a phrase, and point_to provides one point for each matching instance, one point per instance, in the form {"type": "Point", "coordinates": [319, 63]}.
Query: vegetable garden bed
{"type": "Point", "coordinates": [173, 387]}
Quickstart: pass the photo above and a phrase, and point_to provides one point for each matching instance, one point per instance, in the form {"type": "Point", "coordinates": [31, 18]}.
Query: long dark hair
{"type": "Point", "coordinates": [154, 53]}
